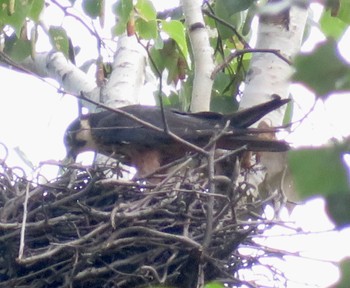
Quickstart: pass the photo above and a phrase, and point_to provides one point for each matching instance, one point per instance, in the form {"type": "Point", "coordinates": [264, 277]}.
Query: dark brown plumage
{"type": "Point", "coordinates": [114, 134]}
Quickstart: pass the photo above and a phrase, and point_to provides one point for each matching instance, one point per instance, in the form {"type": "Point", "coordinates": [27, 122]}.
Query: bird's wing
{"type": "Point", "coordinates": [114, 127]}
{"type": "Point", "coordinates": [197, 128]}
{"type": "Point", "coordinates": [247, 117]}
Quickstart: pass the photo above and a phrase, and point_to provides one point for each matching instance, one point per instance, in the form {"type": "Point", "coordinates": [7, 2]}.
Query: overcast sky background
{"type": "Point", "coordinates": [34, 117]}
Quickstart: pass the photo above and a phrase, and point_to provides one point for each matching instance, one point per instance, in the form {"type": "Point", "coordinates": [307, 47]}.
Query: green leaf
{"type": "Point", "coordinates": [176, 31]}
{"type": "Point", "coordinates": [318, 171]}
{"type": "Point", "coordinates": [225, 104]}
{"type": "Point", "coordinates": [173, 100]}
{"type": "Point", "coordinates": [221, 81]}
{"type": "Point", "coordinates": [146, 9]}
{"type": "Point", "coordinates": [59, 39]}
{"type": "Point", "coordinates": [231, 7]}
{"type": "Point", "coordinates": [36, 9]}
{"type": "Point", "coordinates": [146, 29]}
{"type": "Point", "coordinates": [344, 9]}
{"type": "Point", "coordinates": [221, 99]}
{"type": "Point", "coordinates": [14, 13]}
{"type": "Point", "coordinates": [214, 285]}
{"type": "Point", "coordinates": [323, 70]}
{"type": "Point", "coordinates": [17, 49]}
{"type": "Point", "coordinates": [122, 9]}
{"type": "Point", "coordinates": [345, 274]}
{"type": "Point", "coordinates": [166, 57]}
{"type": "Point", "coordinates": [92, 8]}
{"type": "Point", "coordinates": [288, 114]}
{"type": "Point", "coordinates": [185, 93]}
{"type": "Point", "coordinates": [157, 59]}
{"type": "Point", "coordinates": [229, 11]}
{"type": "Point", "coordinates": [158, 42]}
{"type": "Point", "coordinates": [332, 26]}
{"type": "Point", "coordinates": [337, 207]}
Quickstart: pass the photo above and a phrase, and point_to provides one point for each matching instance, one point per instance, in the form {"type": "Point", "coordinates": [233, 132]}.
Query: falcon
{"type": "Point", "coordinates": [147, 137]}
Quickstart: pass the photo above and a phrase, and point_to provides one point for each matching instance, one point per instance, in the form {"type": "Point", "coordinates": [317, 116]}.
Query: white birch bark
{"type": "Point", "coordinates": [123, 87]}
{"type": "Point", "coordinates": [269, 75]}
{"type": "Point", "coordinates": [202, 53]}
{"type": "Point", "coordinates": [55, 65]}
{"type": "Point", "coordinates": [128, 76]}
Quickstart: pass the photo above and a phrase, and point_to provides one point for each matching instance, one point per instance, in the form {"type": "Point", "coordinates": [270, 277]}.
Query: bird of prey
{"type": "Point", "coordinates": [127, 137]}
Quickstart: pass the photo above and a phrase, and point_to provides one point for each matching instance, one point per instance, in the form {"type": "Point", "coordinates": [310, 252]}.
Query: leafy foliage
{"type": "Point", "coordinates": [338, 207]}
{"type": "Point", "coordinates": [343, 12]}
{"type": "Point", "coordinates": [318, 171]}
{"type": "Point", "coordinates": [322, 171]}
{"type": "Point", "coordinates": [332, 26]}
{"type": "Point", "coordinates": [214, 285]}
{"type": "Point", "coordinates": [14, 13]}
{"type": "Point", "coordinates": [232, 13]}
{"type": "Point", "coordinates": [176, 31]}
{"type": "Point", "coordinates": [122, 9]}
{"type": "Point", "coordinates": [323, 70]}
{"type": "Point", "coordinates": [18, 49]}
{"type": "Point", "coordinates": [146, 22]}
{"type": "Point", "coordinates": [345, 274]}
{"type": "Point", "coordinates": [59, 39]}
{"type": "Point", "coordinates": [146, 9]}
{"type": "Point", "coordinates": [93, 8]}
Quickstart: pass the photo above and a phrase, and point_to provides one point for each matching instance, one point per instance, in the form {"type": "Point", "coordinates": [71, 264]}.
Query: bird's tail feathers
{"type": "Point", "coordinates": [252, 143]}
{"type": "Point", "coordinates": [247, 117]}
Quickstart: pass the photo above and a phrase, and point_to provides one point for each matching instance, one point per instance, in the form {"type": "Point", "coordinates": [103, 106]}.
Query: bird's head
{"type": "Point", "coordinates": [78, 138]}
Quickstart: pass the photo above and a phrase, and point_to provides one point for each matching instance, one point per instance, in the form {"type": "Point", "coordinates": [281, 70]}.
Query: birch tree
{"type": "Point", "coordinates": [102, 231]}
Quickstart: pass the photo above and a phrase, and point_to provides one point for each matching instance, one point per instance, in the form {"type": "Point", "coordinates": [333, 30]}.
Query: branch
{"type": "Point", "coordinates": [233, 28]}
{"type": "Point", "coordinates": [268, 75]}
{"type": "Point", "coordinates": [238, 53]}
{"type": "Point", "coordinates": [54, 65]}
{"type": "Point", "coordinates": [210, 203]}
{"type": "Point", "coordinates": [24, 221]}
{"type": "Point", "coordinates": [57, 249]}
{"type": "Point", "coordinates": [128, 73]}
{"type": "Point", "coordinates": [202, 53]}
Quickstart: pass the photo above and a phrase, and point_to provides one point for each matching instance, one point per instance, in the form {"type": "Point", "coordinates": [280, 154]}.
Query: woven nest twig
{"type": "Point", "coordinates": [95, 231]}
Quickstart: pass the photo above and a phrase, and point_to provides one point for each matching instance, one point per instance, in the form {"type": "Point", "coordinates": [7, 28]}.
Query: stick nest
{"type": "Point", "coordinates": [86, 229]}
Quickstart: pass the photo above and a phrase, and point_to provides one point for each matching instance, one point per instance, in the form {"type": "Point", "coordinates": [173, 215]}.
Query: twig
{"type": "Point", "coordinates": [39, 224]}
{"type": "Point", "coordinates": [210, 204]}
{"type": "Point", "coordinates": [76, 17]}
{"type": "Point", "coordinates": [93, 272]}
{"type": "Point", "coordinates": [59, 247]}
{"type": "Point", "coordinates": [238, 53]}
{"type": "Point", "coordinates": [34, 274]}
{"type": "Point", "coordinates": [24, 221]}
{"type": "Point", "coordinates": [223, 22]}
{"type": "Point", "coordinates": [160, 89]}
{"type": "Point", "coordinates": [110, 182]}
{"type": "Point", "coordinates": [172, 173]}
